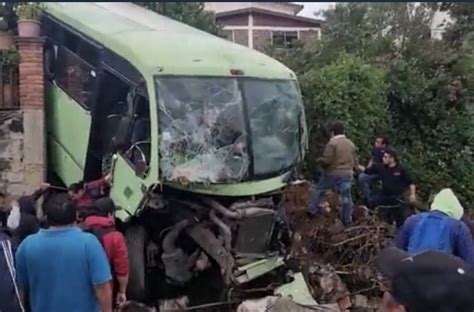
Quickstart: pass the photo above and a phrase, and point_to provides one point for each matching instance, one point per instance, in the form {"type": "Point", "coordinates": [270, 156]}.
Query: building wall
{"type": "Point", "coordinates": [262, 39]}
{"type": "Point", "coordinates": [13, 175]}
{"type": "Point", "coordinates": [260, 19]}
{"type": "Point", "coordinates": [241, 36]}
{"type": "Point", "coordinates": [219, 7]}
{"type": "Point", "coordinates": [236, 20]}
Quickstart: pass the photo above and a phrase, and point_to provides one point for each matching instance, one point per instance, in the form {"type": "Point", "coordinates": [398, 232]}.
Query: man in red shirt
{"type": "Point", "coordinates": [84, 194]}
{"type": "Point", "coordinates": [102, 224]}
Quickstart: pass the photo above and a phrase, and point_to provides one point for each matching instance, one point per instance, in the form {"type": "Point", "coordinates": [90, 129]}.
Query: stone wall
{"type": "Point", "coordinates": [22, 131]}
{"type": "Point", "coordinates": [12, 177]}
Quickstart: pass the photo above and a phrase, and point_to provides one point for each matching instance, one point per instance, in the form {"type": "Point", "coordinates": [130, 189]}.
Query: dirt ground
{"type": "Point", "coordinates": [337, 261]}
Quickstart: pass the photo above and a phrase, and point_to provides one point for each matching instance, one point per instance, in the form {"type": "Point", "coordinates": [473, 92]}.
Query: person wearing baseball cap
{"type": "Point", "coordinates": [431, 281]}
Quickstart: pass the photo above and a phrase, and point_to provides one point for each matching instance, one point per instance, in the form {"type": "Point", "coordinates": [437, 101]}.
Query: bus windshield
{"type": "Point", "coordinates": [227, 130]}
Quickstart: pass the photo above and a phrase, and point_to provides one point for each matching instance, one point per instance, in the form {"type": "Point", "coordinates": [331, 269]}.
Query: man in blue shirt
{"type": "Point", "coordinates": [62, 268]}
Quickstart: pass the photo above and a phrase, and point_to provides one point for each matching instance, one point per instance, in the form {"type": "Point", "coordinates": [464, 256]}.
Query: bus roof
{"type": "Point", "coordinates": [158, 45]}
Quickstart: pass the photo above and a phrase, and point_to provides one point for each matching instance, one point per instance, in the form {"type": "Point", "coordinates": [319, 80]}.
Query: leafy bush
{"type": "Point", "coordinates": [377, 69]}
{"type": "Point", "coordinates": [348, 90]}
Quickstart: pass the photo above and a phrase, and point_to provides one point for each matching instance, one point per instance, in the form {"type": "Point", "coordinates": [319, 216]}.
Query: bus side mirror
{"type": "Point", "coordinates": [121, 139]}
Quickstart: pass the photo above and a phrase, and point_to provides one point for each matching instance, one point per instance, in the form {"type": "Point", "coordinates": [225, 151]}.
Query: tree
{"type": "Point", "coordinates": [377, 65]}
{"type": "Point", "coordinates": [350, 90]}
{"type": "Point", "coordinates": [191, 13]}
{"type": "Point", "coordinates": [463, 15]}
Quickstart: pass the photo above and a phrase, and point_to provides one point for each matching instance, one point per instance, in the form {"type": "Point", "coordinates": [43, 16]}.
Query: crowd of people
{"type": "Point", "coordinates": [430, 266]}
{"type": "Point", "coordinates": [74, 251]}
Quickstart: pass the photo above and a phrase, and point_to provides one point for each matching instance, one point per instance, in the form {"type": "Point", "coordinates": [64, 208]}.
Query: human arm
{"type": "Point", "coordinates": [411, 185]}
{"type": "Point", "coordinates": [403, 236]}
{"type": "Point", "coordinates": [465, 245]}
{"type": "Point", "coordinates": [99, 272]}
{"type": "Point", "coordinates": [41, 191]}
{"type": "Point", "coordinates": [374, 169]}
{"type": "Point", "coordinates": [97, 184]}
{"type": "Point", "coordinates": [120, 265]}
{"type": "Point", "coordinates": [103, 293]}
{"type": "Point", "coordinates": [328, 155]}
{"type": "Point", "coordinates": [13, 220]}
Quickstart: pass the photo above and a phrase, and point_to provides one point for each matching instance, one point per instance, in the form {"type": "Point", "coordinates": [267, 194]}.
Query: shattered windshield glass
{"type": "Point", "coordinates": [275, 111]}
{"type": "Point", "coordinates": [204, 134]}
{"type": "Point", "coordinates": [203, 137]}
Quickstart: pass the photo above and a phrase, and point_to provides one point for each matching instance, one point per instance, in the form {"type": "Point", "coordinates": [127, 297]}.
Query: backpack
{"type": "Point", "coordinates": [99, 232]}
{"type": "Point", "coordinates": [431, 233]}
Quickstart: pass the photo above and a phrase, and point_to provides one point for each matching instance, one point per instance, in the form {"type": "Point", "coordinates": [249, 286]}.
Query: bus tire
{"type": "Point", "coordinates": [135, 237]}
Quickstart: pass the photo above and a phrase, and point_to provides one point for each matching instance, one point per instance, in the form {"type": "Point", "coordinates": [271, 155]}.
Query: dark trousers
{"type": "Point", "coordinates": [391, 208]}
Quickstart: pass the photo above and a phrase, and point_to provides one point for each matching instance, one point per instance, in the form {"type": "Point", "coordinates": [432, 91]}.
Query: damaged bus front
{"type": "Point", "coordinates": [200, 135]}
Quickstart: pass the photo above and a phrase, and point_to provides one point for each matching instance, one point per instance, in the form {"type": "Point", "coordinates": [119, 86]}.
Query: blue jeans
{"type": "Point", "coordinates": [341, 185]}
{"type": "Point", "coordinates": [365, 180]}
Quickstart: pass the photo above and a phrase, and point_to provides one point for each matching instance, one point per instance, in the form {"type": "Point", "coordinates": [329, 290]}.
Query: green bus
{"type": "Point", "coordinates": [191, 126]}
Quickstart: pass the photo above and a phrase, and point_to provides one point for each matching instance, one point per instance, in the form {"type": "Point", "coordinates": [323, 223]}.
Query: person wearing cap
{"type": "Point", "coordinates": [396, 180]}
{"type": "Point", "coordinates": [102, 224]}
{"type": "Point", "coordinates": [439, 229]}
{"type": "Point", "coordinates": [430, 281]}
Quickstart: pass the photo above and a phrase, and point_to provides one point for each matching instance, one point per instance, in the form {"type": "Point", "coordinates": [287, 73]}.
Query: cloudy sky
{"type": "Point", "coordinates": [311, 7]}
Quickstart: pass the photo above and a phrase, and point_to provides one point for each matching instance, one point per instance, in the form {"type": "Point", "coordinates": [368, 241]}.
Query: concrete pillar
{"type": "Point", "coordinates": [32, 104]}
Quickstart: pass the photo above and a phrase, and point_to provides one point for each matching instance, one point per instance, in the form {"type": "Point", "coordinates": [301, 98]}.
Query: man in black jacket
{"type": "Point", "coordinates": [23, 220]}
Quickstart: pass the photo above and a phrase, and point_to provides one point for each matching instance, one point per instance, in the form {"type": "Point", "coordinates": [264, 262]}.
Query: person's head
{"type": "Point", "coordinates": [447, 202]}
{"type": "Point", "coordinates": [381, 142]}
{"type": "Point", "coordinates": [76, 190]}
{"type": "Point", "coordinates": [61, 212]}
{"type": "Point", "coordinates": [430, 281]}
{"type": "Point", "coordinates": [104, 207]}
{"type": "Point", "coordinates": [390, 157]}
{"type": "Point", "coordinates": [27, 205]}
{"type": "Point", "coordinates": [336, 128]}
{"type": "Point", "coordinates": [2, 199]}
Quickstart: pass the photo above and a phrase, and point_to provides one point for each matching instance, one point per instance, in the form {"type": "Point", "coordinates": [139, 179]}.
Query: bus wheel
{"type": "Point", "coordinates": [135, 237]}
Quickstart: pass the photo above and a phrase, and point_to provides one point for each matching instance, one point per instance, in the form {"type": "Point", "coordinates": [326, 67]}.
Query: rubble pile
{"type": "Point", "coordinates": [337, 260]}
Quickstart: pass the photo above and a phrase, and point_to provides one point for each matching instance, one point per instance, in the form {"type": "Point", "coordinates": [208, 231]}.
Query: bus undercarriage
{"type": "Point", "coordinates": [209, 249]}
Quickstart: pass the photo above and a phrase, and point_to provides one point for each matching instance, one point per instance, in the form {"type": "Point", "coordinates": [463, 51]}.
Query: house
{"type": "Point", "coordinates": [260, 24]}
{"type": "Point", "coordinates": [440, 21]}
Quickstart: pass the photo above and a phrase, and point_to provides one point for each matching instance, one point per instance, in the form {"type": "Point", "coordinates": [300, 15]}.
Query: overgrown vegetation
{"type": "Point", "coordinates": [191, 13]}
{"type": "Point", "coordinates": [378, 70]}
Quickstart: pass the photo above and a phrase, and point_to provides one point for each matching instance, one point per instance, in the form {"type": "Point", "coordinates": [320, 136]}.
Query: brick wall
{"type": "Point", "coordinates": [241, 36]}
{"type": "Point", "coordinates": [22, 132]}
{"type": "Point", "coordinates": [309, 35]}
{"type": "Point", "coordinates": [262, 39]}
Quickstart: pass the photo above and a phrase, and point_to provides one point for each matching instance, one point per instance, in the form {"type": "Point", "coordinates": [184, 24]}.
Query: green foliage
{"type": "Point", "coordinates": [9, 58]}
{"type": "Point", "coordinates": [29, 10]}
{"type": "Point", "coordinates": [191, 13]}
{"type": "Point", "coordinates": [377, 69]}
{"type": "Point", "coordinates": [348, 90]}
{"type": "Point", "coordinates": [463, 13]}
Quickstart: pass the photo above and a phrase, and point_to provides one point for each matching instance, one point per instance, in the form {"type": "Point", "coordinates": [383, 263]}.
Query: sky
{"type": "Point", "coordinates": [311, 7]}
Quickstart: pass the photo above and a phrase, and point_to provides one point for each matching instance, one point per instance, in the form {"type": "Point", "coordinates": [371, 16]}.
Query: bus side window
{"type": "Point", "coordinates": [75, 76]}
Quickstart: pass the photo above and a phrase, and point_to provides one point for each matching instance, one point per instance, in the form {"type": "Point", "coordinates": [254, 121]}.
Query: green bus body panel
{"type": "Point", "coordinates": [158, 45]}
{"type": "Point", "coordinates": [155, 45]}
{"type": "Point", "coordinates": [237, 189]}
{"type": "Point", "coordinates": [126, 189]}
{"type": "Point", "coordinates": [68, 127]}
